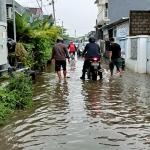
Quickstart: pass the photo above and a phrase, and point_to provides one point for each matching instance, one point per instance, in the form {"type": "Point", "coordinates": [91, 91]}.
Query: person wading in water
{"type": "Point", "coordinates": [59, 55]}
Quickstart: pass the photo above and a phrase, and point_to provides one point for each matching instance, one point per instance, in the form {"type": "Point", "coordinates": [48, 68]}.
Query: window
{"type": "Point", "coordinates": [114, 33]}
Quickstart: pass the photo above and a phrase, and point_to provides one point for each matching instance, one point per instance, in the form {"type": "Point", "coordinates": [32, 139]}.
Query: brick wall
{"type": "Point", "coordinates": [139, 23]}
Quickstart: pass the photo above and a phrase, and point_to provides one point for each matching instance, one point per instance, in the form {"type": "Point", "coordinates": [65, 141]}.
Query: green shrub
{"type": "Point", "coordinates": [17, 94]}
{"type": "Point", "coordinates": [20, 91]}
{"type": "Point", "coordinates": [4, 113]}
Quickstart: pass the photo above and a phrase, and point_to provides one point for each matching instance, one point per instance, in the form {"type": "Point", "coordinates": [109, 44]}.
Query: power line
{"type": "Point", "coordinates": [28, 2]}
{"type": "Point", "coordinates": [46, 9]}
{"type": "Point", "coordinates": [78, 26]}
{"type": "Point", "coordinates": [83, 28]}
{"type": "Point", "coordinates": [38, 3]}
{"type": "Point", "coordinates": [40, 6]}
{"type": "Point", "coordinates": [33, 2]}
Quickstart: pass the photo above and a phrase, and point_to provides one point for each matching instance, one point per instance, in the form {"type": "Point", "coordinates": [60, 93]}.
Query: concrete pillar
{"type": "Point", "coordinates": [3, 17]}
{"type": "Point", "coordinates": [141, 53]}
{"type": "Point", "coordinates": [130, 63]}
{"type": "Point", "coordinates": [128, 49]}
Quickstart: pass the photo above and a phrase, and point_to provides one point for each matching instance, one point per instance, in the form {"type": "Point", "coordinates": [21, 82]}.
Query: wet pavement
{"type": "Point", "coordinates": [108, 114]}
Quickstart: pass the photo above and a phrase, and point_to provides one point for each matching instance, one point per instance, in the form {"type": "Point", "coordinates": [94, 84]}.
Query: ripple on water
{"type": "Point", "coordinates": [109, 114]}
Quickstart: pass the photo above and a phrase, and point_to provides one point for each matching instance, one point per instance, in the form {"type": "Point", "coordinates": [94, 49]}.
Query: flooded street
{"type": "Point", "coordinates": [108, 114]}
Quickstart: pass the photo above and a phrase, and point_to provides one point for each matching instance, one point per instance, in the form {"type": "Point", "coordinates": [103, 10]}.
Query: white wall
{"type": "Point", "coordinates": [3, 44]}
{"type": "Point", "coordinates": [101, 5]}
{"type": "Point", "coordinates": [123, 29]}
{"type": "Point", "coordinates": [139, 64]}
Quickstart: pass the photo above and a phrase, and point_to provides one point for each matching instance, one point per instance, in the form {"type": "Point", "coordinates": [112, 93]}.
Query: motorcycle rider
{"type": "Point", "coordinates": [92, 49]}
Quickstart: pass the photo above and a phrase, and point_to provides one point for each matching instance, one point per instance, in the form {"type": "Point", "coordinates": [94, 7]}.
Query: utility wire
{"type": "Point", "coordinates": [33, 2]}
{"type": "Point", "coordinates": [29, 2]}
{"type": "Point", "coordinates": [82, 28]}
{"type": "Point", "coordinates": [46, 9]}
{"type": "Point", "coordinates": [40, 6]}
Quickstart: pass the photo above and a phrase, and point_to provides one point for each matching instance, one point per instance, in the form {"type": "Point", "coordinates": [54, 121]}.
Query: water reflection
{"type": "Point", "coordinates": [59, 99]}
{"type": "Point", "coordinates": [91, 93]}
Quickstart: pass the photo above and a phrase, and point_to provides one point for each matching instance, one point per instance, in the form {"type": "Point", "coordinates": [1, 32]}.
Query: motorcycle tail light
{"type": "Point", "coordinates": [95, 59]}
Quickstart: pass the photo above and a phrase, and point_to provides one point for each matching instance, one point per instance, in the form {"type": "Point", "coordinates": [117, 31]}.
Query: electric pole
{"type": "Point", "coordinates": [41, 9]}
{"type": "Point", "coordinates": [53, 4]}
{"type": "Point", "coordinates": [75, 35]}
{"type": "Point", "coordinates": [62, 29]}
{"type": "Point", "coordinates": [3, 11]}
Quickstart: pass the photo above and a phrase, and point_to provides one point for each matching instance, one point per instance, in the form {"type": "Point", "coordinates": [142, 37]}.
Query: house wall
{"type": "Point", "coordinates": [123, 29]}
{"type": "Point", "coordinates": [121, 8]}
{"type": "Point", "coordinates": [20, 9]}
{"type": "Point", "coordinates": [136, 53]}
{"type": "Point", "coordinates": [101, 5]}
{"type": "Point", "coordinates": [122, 33]}
{"type": "Point", "coordinates": [105, 34]}
{"type": "Point", "coordinates": [3, 48]}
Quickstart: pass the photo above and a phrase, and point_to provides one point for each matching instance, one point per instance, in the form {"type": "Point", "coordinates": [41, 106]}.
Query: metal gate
{"type": "Point", "coordinates": [148, 56]}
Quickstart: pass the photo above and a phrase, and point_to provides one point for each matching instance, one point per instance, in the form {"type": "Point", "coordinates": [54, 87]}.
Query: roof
{"type": "Point", "coordinates": [34, 11]}
{"type": "Point", "coordinates": [96, 1]}
{"type": "Point", "coordinates": [123, 19]}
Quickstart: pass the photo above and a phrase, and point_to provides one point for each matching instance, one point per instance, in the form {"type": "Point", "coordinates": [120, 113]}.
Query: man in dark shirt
{"type": "Point", "coordinates": [59, 55]}
{"type": "Point", "coordinates": [115, 56]}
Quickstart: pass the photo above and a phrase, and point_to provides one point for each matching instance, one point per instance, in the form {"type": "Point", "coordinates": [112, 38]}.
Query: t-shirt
{"type": "Point", "coordinates": [116, 50]}
{"type": "Point", "coordinates": [60, 52]}
{"type": "Point", "coordinates": [72, 47]}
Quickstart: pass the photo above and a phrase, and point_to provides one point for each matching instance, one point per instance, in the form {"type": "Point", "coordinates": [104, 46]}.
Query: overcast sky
{"type": "Point", "coordinates": [79, 15]}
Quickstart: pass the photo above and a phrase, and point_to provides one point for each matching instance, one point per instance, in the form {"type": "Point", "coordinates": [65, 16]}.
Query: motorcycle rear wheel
{"type": "Point", "coordinates": [100, 75]}
{"type": "Point", "coordinates": [94, 75]}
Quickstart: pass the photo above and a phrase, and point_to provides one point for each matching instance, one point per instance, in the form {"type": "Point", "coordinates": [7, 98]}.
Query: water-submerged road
{"type": "Point", "coordinates": [108, 114]}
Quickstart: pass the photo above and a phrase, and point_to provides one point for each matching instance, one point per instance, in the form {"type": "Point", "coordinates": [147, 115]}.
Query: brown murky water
{"type": "Point", "coordinates": [108, 114]}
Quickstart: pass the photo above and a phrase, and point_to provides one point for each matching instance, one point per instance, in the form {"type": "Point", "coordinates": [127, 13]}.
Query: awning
{"type": "Point", "coordinates": [123, 19]}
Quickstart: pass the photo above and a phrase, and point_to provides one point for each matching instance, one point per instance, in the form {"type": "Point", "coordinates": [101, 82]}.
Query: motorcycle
{"type": "Point", "coordinates": [94, 68]}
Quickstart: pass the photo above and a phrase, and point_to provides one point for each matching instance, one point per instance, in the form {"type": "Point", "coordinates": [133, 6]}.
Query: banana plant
{"type": "Point", "coordinates": [25, 28]}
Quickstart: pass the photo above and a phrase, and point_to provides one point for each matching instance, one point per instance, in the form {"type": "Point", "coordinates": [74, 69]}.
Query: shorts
{"type": "Point", "coordinates": [59, 63]}
{"type": "Point", "coordinates": [72, 52]}
{"type": "Point", "coordinates": [115, 62]}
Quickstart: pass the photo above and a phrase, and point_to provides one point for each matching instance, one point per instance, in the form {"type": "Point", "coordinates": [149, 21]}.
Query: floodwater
{"type": "Point", "coordinates": [108, 114]}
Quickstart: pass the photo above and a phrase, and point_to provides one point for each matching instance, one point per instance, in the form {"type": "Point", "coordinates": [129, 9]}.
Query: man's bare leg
{"type": "Point", "coordinates": [120, 70]}
{"type": "Point", "coordinates": [65, 73]}
{"type": "Point", "coordinates": [59, 75]}
{"type": "Point", "coordinates": [111, 72]}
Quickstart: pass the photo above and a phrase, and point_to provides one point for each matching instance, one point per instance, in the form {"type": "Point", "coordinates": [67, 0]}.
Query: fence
{"type": "Point", "coordinates": [136, 52]}
{"type": "Point", "coordinates": [134, 48]}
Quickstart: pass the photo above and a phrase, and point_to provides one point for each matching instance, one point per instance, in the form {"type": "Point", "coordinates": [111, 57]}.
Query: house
{"type": "Point", "coordinates": [92, 34]}
{"type": "Point", "coordinates": [35, 13]}
{"type": "Point", "coordinates": [18, 9]}
{"type": "Point", "coordinates": [9, 10]}
{"type": "Point", "coordinates": [102, 17]}
{"type": "Point", "coordinates": [3, 46]}
{"type": "Point", "coordinates": [110, 11]}
{"type": "Point", "coordinates": [133, 35]}
{"type": "Point", "coordinates": [3, 37]}
{"type": "Point", "coordinates": [119, 30]}
{"type": "Point", "coordinates": [119, 8]}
